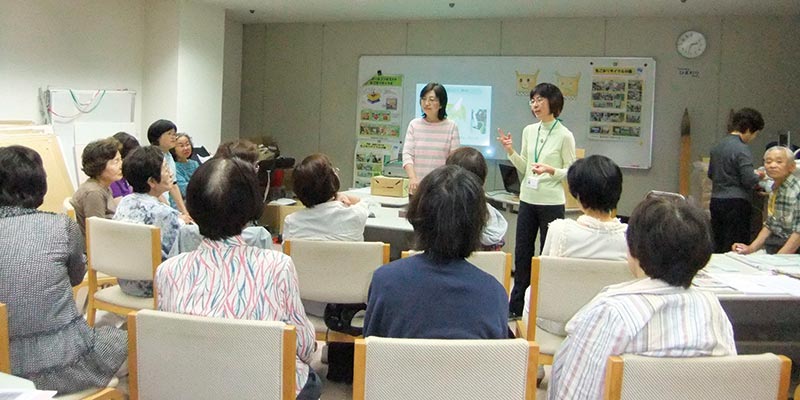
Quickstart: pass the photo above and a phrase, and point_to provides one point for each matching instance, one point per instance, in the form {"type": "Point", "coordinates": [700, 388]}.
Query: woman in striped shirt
{"type": "Point", "coordinates": [226, 278]}
{"type": "Point", "coordinates": [429, 139]}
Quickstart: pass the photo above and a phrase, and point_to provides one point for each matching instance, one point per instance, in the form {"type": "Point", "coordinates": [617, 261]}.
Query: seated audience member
{"type": "Point", "coordinates": [242, 148]}
{"type": "Point", "coordinates": [781, 231]}
{"type": "Point", "coordinates": [190, 238]}
{"type": "Point", "coordinates": [495, 230]}
{"type": "Point", "coordinates": [328, 215]}
{"type": "Point", "coordinates": [121, 188]}
{"type": "Point", "coordinates": [102, 163]}
{"type": "Point", "coordinates": [146, 170]}
{"type": "Point", "coordinates": [596, 182]}
{"type": "Point", "coordinates": [40, 259]}
{"type": "Point", "coordinates": [659, 315]}
{"type": "Point", "coordinates": [438, 294]}
{"type": "Point", "coordinates": [184, 166]}
{"type": "Point", "coordinates": [249, 282]}
{"type": "Point", "coordinates": [162, 134]}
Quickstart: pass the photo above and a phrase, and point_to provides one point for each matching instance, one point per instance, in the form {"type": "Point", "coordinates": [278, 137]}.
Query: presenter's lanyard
{"type": "Point", "coordinates": [536, 151]}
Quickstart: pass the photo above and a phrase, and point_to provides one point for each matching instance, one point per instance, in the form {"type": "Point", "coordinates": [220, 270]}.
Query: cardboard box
{"type": "Point", "coordinates": [387, 186]}
{"type": "Point", "coordinates": [274, 214]}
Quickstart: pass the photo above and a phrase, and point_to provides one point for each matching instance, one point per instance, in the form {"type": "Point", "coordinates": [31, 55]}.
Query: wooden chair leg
{"type": "Point", "coordinates": [91, 312]}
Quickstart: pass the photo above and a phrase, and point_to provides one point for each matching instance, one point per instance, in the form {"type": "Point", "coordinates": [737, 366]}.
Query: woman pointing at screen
{"type": "Point", "coordinates": [548, 149]}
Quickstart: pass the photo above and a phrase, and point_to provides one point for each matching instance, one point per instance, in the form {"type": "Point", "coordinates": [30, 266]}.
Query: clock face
{"type": "Point", "coordinates": [691, 44]}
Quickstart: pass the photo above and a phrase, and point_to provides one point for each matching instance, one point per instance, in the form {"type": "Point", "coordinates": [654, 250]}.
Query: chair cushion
{"type": "Point", "coordinates": [114, 295]}
{"type": "Point", "coordinates": [87, 392]}
{"type": "Point", "coordinates": [548, 342]}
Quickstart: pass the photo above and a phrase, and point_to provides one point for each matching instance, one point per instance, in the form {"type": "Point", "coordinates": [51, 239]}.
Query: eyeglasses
{"type": "Point", "coordinates": [537, 100]}
{"type": "Point", "coordinates": [431, 100]}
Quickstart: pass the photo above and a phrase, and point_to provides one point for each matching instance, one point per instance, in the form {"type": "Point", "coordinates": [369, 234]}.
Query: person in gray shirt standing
{"type": "Point", "coordinates": [733, 177]}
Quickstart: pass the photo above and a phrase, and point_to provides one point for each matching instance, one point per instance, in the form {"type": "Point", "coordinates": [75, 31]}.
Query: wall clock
{"type": "Point", "coordinates": [691, 44]}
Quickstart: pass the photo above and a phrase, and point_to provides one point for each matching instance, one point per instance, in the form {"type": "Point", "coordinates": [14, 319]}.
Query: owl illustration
{"type": "Point", "coordinates": [568, 84]}
{"type": "Point", "coordinates": [526, 82]}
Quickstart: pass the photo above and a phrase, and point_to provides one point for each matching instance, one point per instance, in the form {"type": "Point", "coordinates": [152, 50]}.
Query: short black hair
{"type": "Point", "coordinates": [159, 128]}
{"type": "Point", "coordinates": [314, 180]}
{"type": "Point", "coordinates": [670, 238]}
{"type": "Point", "coordinates": [142, 164]}
{"type": "Point", "coordinates": [223, 196]}
{"type": "Point", "coordinates": [552, 93]}
{"type": "Point", "coordinates": [746, 119]}
{"type": "Point", "coordinates": [470, 159]}
{"type": "Point", "coordinates": [23, 181]}
{"type": "Point", "coordinates": [440, 93]}
{"type": "Point", "coordinates": [242, 148]}
{"type": "Point", "coordinates": [448, 213]}
{"type": "Point", "coordinates": [128, 142]}
{"type": "Point", "coordinates": [97, 154]}
{"type": "Point", "coordinates": [596, 182]}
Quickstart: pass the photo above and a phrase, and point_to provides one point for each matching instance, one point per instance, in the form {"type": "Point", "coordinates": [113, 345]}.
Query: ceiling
{"type": "Point", "coordinates": [277, 11]}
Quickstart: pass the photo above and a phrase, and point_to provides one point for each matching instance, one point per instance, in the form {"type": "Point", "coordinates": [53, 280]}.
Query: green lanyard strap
{"type": "Point", "coordinates": [536, 151]}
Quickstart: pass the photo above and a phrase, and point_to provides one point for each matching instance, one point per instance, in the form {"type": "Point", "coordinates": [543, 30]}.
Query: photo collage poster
{"type": "Point", "coordinates": [616, 108]}
{"type": "Point", "coordinates": [380, 108]}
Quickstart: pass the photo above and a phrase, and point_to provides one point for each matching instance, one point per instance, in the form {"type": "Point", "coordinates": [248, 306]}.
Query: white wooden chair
{"type": "Point", "coordinates": [102, 279]}
{"type": "Point", "coordinates": [495, 263]}
{"type": "Point", "coordinates": [180, 356]}
{"type": "Point", "coordinates": [559, 288]}
{"type": "Point", "coordinates": [121, 250]}
{"type": "Point", "coordinates": [743, 377]}
{"type": "Point", "coordinates": [444, 369]}
{"type": "Point", "coordinates": [108, 393]}
{"type": "Point", "coordinates": [335, 272]}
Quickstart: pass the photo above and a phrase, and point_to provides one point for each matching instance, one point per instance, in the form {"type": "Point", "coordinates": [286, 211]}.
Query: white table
{"type": "Point", "coordinates": [762, 322]}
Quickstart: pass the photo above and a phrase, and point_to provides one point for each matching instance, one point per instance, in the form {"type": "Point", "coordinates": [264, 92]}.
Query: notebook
{"type": "Point", "coordinates": [510, 178]}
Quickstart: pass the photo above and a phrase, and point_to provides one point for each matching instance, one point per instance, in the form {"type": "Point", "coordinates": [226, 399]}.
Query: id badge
{"type": "Point", "coordinates": [532, 182]}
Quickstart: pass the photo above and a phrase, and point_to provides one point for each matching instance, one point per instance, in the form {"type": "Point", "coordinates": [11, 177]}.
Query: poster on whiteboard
{"type": "Point", "coordinates": [380, 111]}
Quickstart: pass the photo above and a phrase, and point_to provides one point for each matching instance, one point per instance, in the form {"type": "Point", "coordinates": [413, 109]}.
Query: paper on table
{"type": "Point", "coordinates": [723, 263]}
{"type": "Point", "coordinates": [768, 261]}
{"type": "Point", "coordinates": [760, 284]}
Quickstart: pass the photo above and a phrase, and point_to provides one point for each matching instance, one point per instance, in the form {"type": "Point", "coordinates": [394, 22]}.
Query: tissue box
{"type": "Point", "coordinates": [386, 186]}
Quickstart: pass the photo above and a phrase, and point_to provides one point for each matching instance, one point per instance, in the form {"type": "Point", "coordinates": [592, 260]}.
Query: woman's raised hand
{"type": "Point", "coordinates": [505, 140]}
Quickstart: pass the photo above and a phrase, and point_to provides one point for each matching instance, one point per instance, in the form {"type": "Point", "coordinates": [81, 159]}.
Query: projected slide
{"type": "Point", "coordinates": [470, 107]}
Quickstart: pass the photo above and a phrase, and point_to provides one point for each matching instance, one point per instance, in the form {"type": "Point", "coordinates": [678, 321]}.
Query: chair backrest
{"type": "Point", "coordinates": [123, 249]}
{"type": "Point", "coordinates": [69, 209]}
{"type": "Point", "coordinates": [172, 356]}
{"type": "Point", "coordinates": [744, 377]}
{"type": "Point", "coordinates": [443, 369]}
{"type": "Point", "coordinates": [335, 272]}
{"type": "Point", "coordinates": [560, 286]}
{"type": "Point", "coordinates": [495, 263]}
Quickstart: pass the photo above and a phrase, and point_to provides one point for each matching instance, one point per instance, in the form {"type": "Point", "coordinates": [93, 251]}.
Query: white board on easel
{"type": "Point", "coordinates": [82, 116]}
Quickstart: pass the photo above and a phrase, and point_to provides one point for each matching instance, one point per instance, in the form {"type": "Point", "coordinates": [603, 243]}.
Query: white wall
{"type": "Point", "coordinates": [299, 80]}
{"type": "Point", "coordinates": [232, 80]}
{"type": "Point", "coordinates": [160, 63]}
{"type": "Point", "coordinates": [200, 71]}
{"type": "Point", "coordinates": [83, 45]}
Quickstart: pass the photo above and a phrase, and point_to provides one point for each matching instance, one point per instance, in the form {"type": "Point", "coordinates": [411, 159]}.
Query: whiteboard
{"type": "Point", "coordinates": [82, 116]}
{"type": "Point", "coordinates": [608, 102]}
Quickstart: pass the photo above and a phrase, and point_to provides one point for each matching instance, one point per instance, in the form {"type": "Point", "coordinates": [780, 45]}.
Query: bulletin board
{"type": "Point", "coordinates": [608, 104]}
